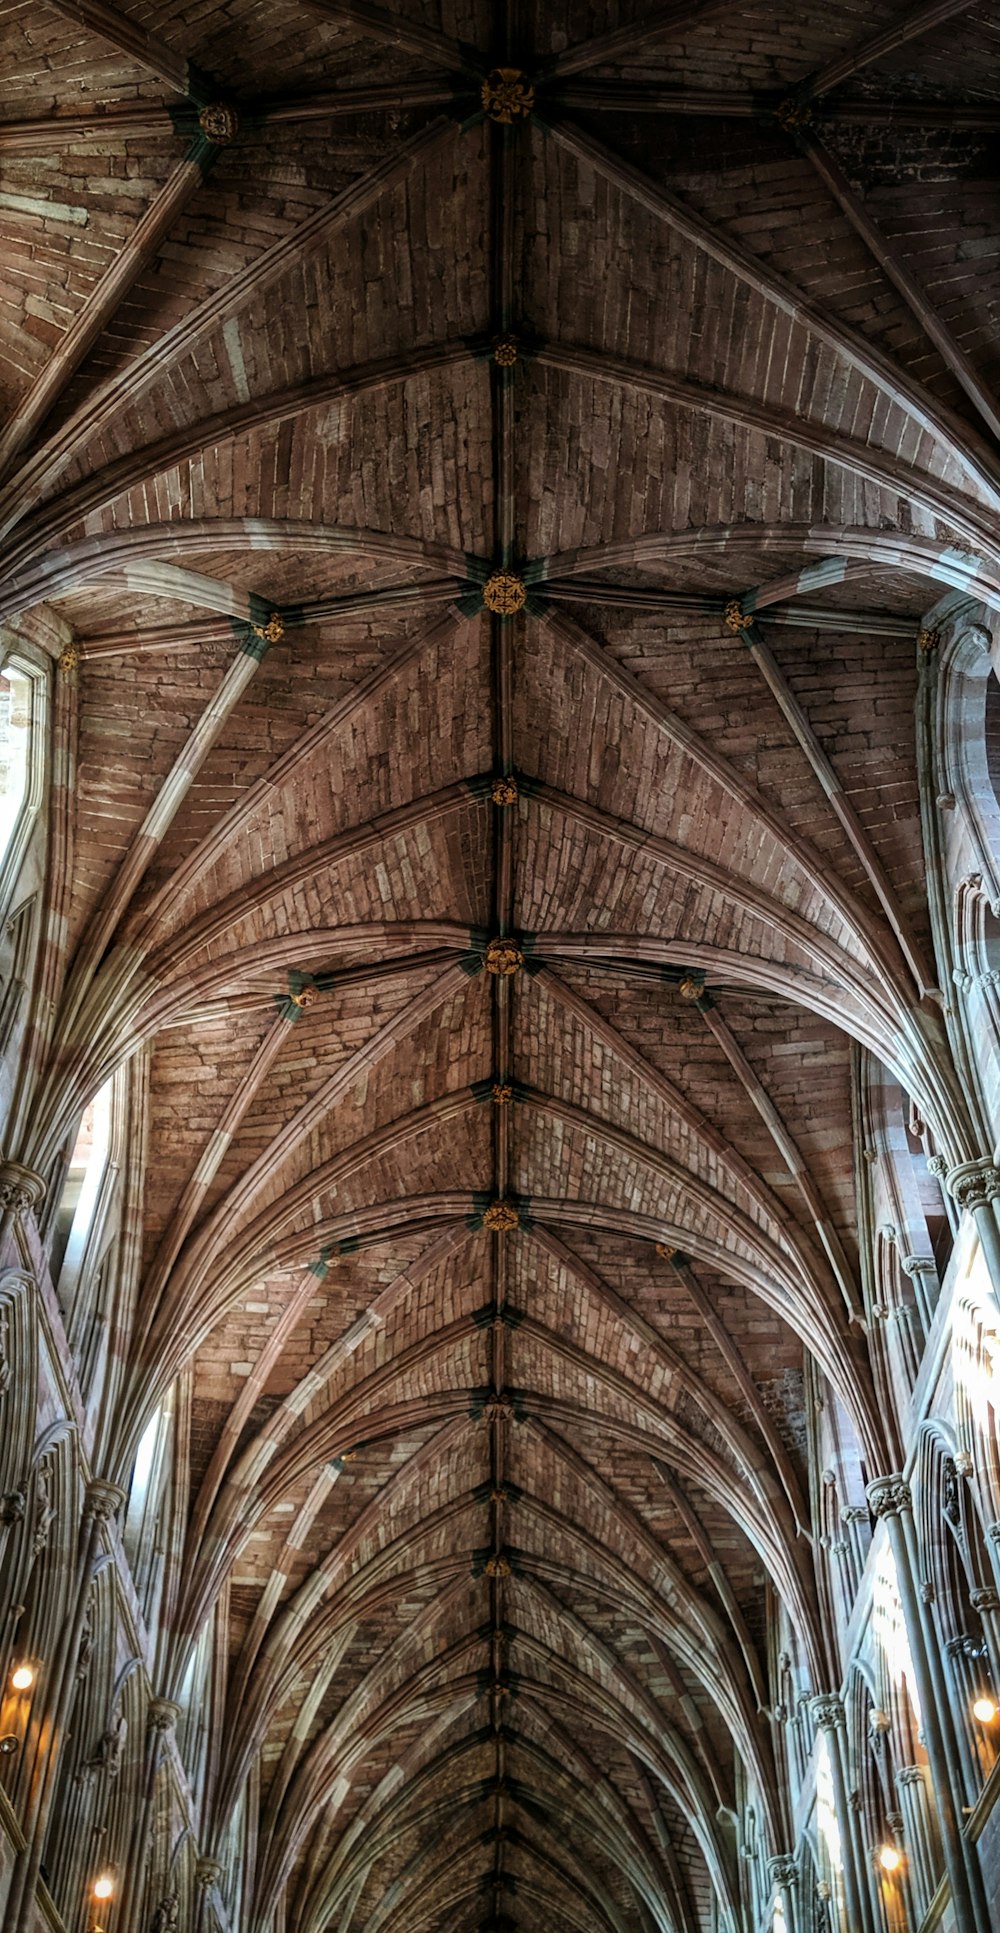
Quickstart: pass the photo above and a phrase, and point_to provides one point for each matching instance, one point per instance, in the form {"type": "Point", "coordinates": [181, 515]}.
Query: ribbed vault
{"type": "Point", "coordinates": [489, 979]}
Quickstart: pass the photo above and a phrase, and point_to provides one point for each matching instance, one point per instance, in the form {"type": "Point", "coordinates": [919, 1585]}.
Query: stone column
{"type": "Point", "coordinates": [828, 1712]}
{"type": "Point", "coordinates": [975, 1187]}
{"type": "Point", "coordinates": [856, 1520]}
{"type": "Point", "coordinates": [161, 1717]}
{"type": "Point", "coordinates": [965, 1673]}
{"type": "Point", "coordinates": [48, 1723]}
{"type": "Point", "coordinates": [919, 1837]}
{"type": "Point", "coordinates": [923, 1273]}
{"type": "Point", "coordinates": [890, 1498]}
{"type": "Point", "coordinates": [986, 1603]}
{"type": "Point", "coordinates": [905, 1317]}
{"type": "Point", "coordinates": [783, 1873]}
{"type": "Point", "coordinates": [13, 1505]}
{"type": "Point", "coordinates": [207, 1875]}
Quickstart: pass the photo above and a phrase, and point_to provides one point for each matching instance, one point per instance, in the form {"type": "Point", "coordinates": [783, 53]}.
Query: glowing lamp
{"type": "Point", "coordinates": [984, 1709]}
{"type": "Point", "coordinates": [104, 1887]}
{"type": "Point", "coordinates": [22, 1677]}
{"type": "Point", "coordinates": [890, 1858]}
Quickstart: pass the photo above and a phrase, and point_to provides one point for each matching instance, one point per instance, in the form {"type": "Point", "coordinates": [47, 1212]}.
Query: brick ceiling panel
{"type": "Point", "coordinates": [63, 232]}
{"type": "Point", "coordinates": [375, 291]}
{"type": "Point", "coordinates": [51, 58]}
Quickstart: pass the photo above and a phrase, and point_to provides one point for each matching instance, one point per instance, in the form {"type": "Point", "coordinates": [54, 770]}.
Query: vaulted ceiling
{"type": "Point", "coordinates": [691, 367]}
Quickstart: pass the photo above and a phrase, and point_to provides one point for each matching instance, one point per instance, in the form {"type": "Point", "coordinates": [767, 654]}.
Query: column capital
{"type": "Point", "coordinates": [974, 1183]}
{"type": "Point", "coordinates": [889, 1496]}
{"type": "Point", "coordinates": [914, 1265]}
{"type": "Point", "coordinates": [103, 1500]}
{"type": "Point", "coordinates": [207, 1873]}
{"type": "Point", "coordinates": [20, 1187]}
{"type": "Point", "coordinates": [162, 1714]}
{"type": "Point", "coordinates": [910, 1775]}
{"type": "Point", "coordinates": [986, 1598]}
{"type": "Point", "coordinates": [827, 1710]}
{"type": "Point", "coordinates": [855, 1513]}
{"type": "Point", "coordinates": [783, 1870]}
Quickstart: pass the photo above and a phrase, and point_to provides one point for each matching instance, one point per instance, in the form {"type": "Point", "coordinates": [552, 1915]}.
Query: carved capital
{"type": "Point", "coordinates": [207, 1873]}
{"type": "Point", "coordinates": [783, 1870]}
{"type": "Point", "coordinates": [987, 1598]}
{"type": "Point", "coordinates": [854, 1513]}
{"type": "Point", "coordinates": [20, 1188]}
{"type": "Point", "coordinates": [910, 1775]}
{"type": "Point", "coordinates": [914, 1265]}
{"type": "Point", "coordinates": [162, 1714]}
{"type": "Point", "coordinates": [103, 1500]}
{"type": "Point", "coordinates": [889, 1496]}
{"type": "Point", "coordinates": [827, 1710]}
{"type": "Point", "coordinates": [974, 1183]}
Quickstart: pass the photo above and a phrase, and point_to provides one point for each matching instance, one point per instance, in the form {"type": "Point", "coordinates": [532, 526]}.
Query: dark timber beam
{"type": "Point", "coordinates": [46, 134]}
{"type": "Point", "coordinates": [392, 30]}
{"type": "Point", "coordinates": [909, 26]}
{"type": "Point", "coordinates": [902, 279]}
{"type": "Point", "coordinates": [623, 43]}
{"type": "Point", "coordinates": [622, 97]}
{"type": "Point", "coordinates": [166, 63]}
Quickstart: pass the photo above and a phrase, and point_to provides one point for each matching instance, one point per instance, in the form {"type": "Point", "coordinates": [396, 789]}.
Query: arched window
{"type": "Point", "coordinates": [22, 764]}
{"type": "Point", "coordinates": [195, 1700]}
{"type": "Point", "coordinates": [81, 1190]}
{"type": "Point", "coordinates": [145, 1530]}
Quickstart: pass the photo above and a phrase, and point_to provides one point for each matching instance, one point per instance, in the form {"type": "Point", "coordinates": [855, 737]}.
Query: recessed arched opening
{"type": "Point", "coordinates": [78, 1202]}
{"type": "Point", "coordinates": [22, 701]}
